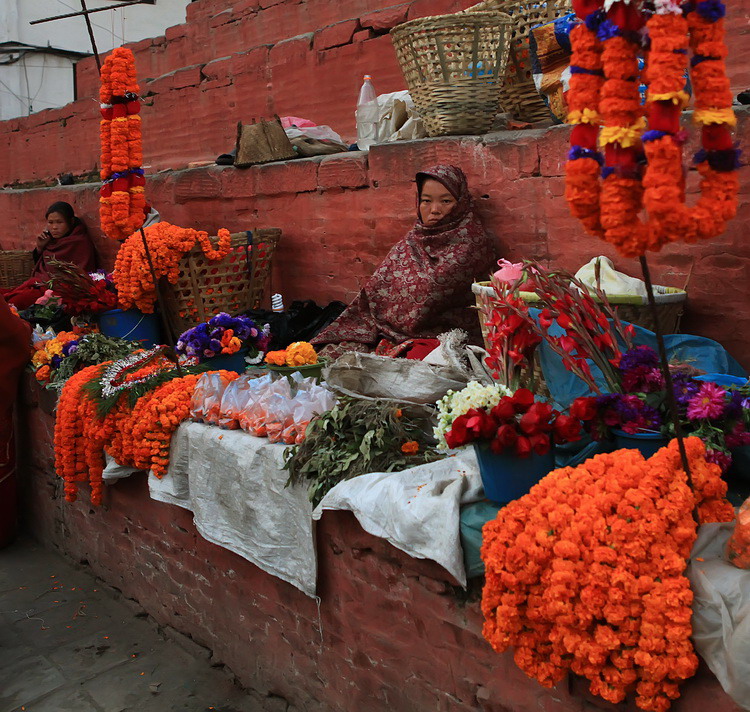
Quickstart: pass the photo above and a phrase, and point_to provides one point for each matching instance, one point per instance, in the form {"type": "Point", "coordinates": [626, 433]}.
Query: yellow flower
{"type": "Point", "coordinates": [301, 353]}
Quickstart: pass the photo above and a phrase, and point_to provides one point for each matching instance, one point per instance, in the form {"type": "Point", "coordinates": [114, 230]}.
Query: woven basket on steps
{"type": "Point", "coordinates": [15, 267]}
{"type": "Point", "coordinates": [518, 93]}
{"type": "Point", "coordinates": [232, 284]}
{"type": "Point", "coordinates": [453, 65]}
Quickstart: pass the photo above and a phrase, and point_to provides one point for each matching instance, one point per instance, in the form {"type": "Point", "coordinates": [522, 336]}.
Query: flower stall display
{"type": "Point", "coordinates": [638, 404]}
{"type": "Point", "coordinates": [82, 293]}
{"type": "Point", "coordinates": [167, 244]}
{"type": "Point", "coordinates": [606, 190]}
{"type": "Point", "coordinates": [586, 573]}
{"type": "Point", "coordinates": [122, 196]}
{"type": "Point", "coordinates": [224, 334]}
{"type": "Point", "coordinates": [50, 353]}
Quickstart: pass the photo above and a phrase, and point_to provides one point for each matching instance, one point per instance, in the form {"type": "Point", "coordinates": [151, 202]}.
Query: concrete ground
{"type": "Point", "coordinates": [70, 644]}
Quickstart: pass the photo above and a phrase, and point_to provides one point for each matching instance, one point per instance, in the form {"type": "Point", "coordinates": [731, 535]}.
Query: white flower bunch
{"type": "Point", "coordinates": [456, 403]}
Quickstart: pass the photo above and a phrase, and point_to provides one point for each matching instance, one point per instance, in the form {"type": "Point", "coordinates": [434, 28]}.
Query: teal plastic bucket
{"type": "Point", "coordinates": [132, 325]}
{"type": "Point", "coordinates": [647, 443]}
{"type": "Point", "coordinates": [228, 362]}
{"type": "Point", "coordinates": [507, 477]}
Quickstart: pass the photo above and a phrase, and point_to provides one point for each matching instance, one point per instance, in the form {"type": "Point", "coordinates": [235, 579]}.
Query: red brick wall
{"type": "Point", "coordinates": [392, 633]}
{"type": "Point", "coordinates": [239, 60]}
{"type": "Point", "coordinates": [340, 216]}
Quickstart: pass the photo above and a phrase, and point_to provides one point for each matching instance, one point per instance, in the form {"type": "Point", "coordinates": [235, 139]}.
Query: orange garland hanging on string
{"type": "Point", "coordinates": [605, 108]}
{"type": "Point", "coordinates": [122, 196]}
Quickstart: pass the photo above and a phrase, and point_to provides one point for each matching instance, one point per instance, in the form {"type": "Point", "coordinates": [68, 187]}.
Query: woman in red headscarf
{"type": "Point", "coordinates": [64, 239]}
{"type": "Point", "coordinates": [423, 287]}
{"type": "Point", "coordinates": [15, 340]}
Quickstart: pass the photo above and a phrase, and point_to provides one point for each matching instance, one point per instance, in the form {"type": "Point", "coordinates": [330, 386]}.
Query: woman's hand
{"type": "Point", "coordinates": [42, 240]}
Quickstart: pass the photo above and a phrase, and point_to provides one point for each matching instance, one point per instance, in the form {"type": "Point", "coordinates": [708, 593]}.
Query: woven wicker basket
{"type": "Point", "coordinates": [15, 267]}
{"type": "Point", "coordinates": [518, 93]}
{"type": "Point", "coordinates": [233, 284]}
{"type": "Point", "coordinates": [451, 64]}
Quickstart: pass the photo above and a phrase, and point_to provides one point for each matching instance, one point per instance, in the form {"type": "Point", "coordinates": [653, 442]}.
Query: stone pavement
{"type": "Point", "coordinates": [70, 643]}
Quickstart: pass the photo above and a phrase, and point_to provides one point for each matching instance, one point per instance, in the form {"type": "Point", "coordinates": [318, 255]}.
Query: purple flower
{"type": "Point", "coordinates": [643, 379]}
{"type": "Point", "coordinates": [214, 345]}
{"type": "Point", "coordinates": [709, 402]}
{"type": "Point", "coordinates": [56, 361]}
{"type": "Point", "coordinates": [734, 407]}
{"type": "Point", "coordinates": [685, 388]}
{"type": "Point", "coordinates": [711, 10]}
{"type": "Point", "coordinates": [722, 459]}
{"type": "Point", "coordinates": [639, 356]}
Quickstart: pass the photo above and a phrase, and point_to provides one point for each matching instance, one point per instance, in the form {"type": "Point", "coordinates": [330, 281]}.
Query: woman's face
{"type": "Point", "coordinates": [57, 225]}
{"type": "Point", "coordinates": [435, 202]}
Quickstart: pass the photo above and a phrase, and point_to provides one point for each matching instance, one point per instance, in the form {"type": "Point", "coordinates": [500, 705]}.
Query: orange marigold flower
{"type": "Point", "coordinates": [410, 448]}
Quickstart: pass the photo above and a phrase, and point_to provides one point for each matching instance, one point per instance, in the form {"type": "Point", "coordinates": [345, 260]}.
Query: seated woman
{"type": "Point", "coordinates": [65, 239]}
{"type": "Point", "coordinates": [423, 287]}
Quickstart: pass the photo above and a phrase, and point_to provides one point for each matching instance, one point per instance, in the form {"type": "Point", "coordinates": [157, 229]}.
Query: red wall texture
{"type": "Point", "coordinates": [391, 633]}
{"type": "Point", "coordinates": [341, 214]}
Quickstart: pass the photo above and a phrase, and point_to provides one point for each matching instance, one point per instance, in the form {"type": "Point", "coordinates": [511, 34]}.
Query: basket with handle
{"type": "Point", "coordinates": [232, 284]}
{"type": "Point", "coordinates": [15, 267]}
{"type": "Point", "coordinates": [518, 93]}
{"type": "Point", "coordinates": [452, 65]}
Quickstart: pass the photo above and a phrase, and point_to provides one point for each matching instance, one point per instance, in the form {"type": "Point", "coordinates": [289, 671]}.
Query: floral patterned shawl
{"type": "Point", "coordinates": [423, 286]}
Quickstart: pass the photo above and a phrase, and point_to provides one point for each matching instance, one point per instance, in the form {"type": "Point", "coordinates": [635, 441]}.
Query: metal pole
{"type": "Point", "coordinates": [87, 12]}
{"type": "Point", "coordinates": [91, 36]}
{"type": "Point", "coordinates": [162, 311]}
{"type": "Point", "coordinates": [671, 400]}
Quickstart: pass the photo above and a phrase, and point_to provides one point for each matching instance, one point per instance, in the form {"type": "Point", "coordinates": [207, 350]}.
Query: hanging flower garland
{"type": "Point", "coordinates": [122, 196]}
{"type": "Point", "coordinates": [605, 110]}
{"type": "Point", "coordinates": [167, 245]}
{"type": "Point", "coordinates": [586, 573]}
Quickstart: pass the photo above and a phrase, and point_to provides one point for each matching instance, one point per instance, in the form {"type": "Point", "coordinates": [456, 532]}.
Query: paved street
{"type": "Point", "coordinates": [67, 643]}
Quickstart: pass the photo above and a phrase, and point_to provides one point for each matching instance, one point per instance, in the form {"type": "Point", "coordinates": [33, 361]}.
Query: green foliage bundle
{"type": "Point", "coordinates": [356, 437]}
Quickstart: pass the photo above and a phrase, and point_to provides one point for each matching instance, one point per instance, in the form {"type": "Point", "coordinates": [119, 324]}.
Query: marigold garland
{"type": "Point", "coordinates": [138, 436]}
{"type": "Point", "coordinates": [604, 90]}
{"type": "Point", "coordinates": [586, 572]}
{"type": "Point", "coordinates": [167, 245]}
{"type": "Point", "coordinates": [122, 196]}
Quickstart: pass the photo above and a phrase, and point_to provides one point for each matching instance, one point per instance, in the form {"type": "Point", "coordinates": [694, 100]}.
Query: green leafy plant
{"type": "Point", "coordinates": [91, 350]}
{"type": "Point", "coordinates": [358, 436]}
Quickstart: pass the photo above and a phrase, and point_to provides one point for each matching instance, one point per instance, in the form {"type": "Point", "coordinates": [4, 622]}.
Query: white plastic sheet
{"type": "Point", "coordinates": [416, 510]}
{"type": "Point", "coordinates": [721, 612]}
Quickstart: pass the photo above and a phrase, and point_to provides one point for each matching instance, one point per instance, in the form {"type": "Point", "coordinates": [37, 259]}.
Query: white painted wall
{"type": "Point", "coordinates": [39, 81]}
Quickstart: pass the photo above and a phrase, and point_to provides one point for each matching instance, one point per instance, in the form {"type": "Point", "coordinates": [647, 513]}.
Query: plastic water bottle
{"type": "Point", "coordinates": [367, 115]}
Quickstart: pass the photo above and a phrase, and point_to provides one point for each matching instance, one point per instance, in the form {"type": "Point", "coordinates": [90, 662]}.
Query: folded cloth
{"type": "Point", "coordinates": [610, 280]}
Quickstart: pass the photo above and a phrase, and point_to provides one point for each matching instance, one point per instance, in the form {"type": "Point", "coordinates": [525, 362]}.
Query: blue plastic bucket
{"type": "Point", "coordinates": [647, 443]}
{"type": "Point", "coordinates": [228, 362]}
{"type": "Point", "coordinates": [508, 477]}
{"type": "Point", "coordinates": [132, 325]}
{"type": "Point", "coordinates": [722, 379]}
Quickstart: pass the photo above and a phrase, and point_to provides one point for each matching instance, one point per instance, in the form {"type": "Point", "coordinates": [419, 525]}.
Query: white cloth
{"type": "Point", "coordinates": [610, 280]}
{"type": "Point", "coordinates": [416, 510]}
{"type": "Point", "coordinates": [234, 484]}
{"type": "Point", "coordinates": [113, 471]}
{"type": "Point", "coordinates": [721, 612]}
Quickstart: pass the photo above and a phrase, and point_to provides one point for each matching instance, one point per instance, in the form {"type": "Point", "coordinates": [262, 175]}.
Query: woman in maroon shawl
{"type": "Point", "coordinates": [15, 347]}
{"type": "Point", "coordinates": [66, 240]}
{"type": "Point", "coordinates": [423, 287]}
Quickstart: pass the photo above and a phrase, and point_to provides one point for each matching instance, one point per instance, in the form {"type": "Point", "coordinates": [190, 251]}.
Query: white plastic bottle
{"type": "Point", "coordinates": [367, 115]}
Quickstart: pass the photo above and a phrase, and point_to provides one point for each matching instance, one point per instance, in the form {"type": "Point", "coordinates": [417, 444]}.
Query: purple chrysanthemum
{"type": "Point", "coordinates": [685, 388]}
{"type": "Point", "coordinates": [639, 356]}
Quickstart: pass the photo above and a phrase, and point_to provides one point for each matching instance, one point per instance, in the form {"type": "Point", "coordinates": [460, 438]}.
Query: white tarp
{"type": "Point", "coordinates": [721, 612]}
{"type": "Point", "coordinates": [416, 510]}
{"type": "Point", "coordinates": [234, 485]}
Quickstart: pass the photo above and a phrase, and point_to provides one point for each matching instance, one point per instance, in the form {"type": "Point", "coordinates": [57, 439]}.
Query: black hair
{"type": "Point", "coordinates": [65, 209]}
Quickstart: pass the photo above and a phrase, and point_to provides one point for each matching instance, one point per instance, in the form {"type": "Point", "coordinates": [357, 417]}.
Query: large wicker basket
{"type": "Point", "coordinates": [15, 267]}
{"type": "Point", "coordinates": [518, 93]}
{"type": "Point", "coordinates": [233, 284]}
{"type": "Point", "coordinates": [670, 303]}
{"type": "Point", "coordinates": [452, 65]}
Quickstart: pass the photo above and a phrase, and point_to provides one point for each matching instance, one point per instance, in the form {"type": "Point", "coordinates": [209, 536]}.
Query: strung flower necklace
{"type": "Point", "coordinates": [606, 113]}
{"type": "Point", "coordinates": [131, 371]}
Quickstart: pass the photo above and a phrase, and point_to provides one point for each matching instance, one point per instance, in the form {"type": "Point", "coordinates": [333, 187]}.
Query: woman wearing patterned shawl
{"type": "Point", "coordinates": [423, 287]}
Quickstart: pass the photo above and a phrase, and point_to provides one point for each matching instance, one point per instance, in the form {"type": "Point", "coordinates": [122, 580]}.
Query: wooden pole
{"type": "Point", "coordinates": [86, 12]}
{"type": "Point", "coordinates": [671, 400]}
{"type": "Point", "coordinates": [90, 28]}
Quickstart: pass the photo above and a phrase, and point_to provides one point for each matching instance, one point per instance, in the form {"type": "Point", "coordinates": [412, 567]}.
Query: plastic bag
{"type": "Point", "coordinates": [205, 405]}
{"type": "Point", "coordinates": [279, 417]}
{"type": "Point", "coordinates": [246, 418]}
{"type": "Point", "coordinates": [738, 546]}
{"type": "Point", "coordinates": [233, 402]}
{"type": "Point", "coordinates": [398, 118]}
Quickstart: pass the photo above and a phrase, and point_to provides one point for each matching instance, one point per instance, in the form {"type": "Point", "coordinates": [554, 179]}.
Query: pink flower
{"type": "Point", "coordinates": [49, 294]}
{"type": "Point", "coordinates": [709, 402]}
{"type": "Point", "coordinates": [509, 271]}
{"type": "Point", "coordinates": [722, 459]}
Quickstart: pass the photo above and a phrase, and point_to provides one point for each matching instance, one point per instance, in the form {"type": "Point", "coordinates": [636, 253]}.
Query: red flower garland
{"type": "Point", "coordinates": [122, 196]}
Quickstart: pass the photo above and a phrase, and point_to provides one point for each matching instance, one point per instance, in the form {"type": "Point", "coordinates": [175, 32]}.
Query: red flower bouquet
{"type": "Point", "coordinates": [517, 425]}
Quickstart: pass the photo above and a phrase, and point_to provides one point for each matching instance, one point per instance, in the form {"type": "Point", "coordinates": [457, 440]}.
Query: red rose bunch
{"type": "Point", "coordinates": [517, 425]}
